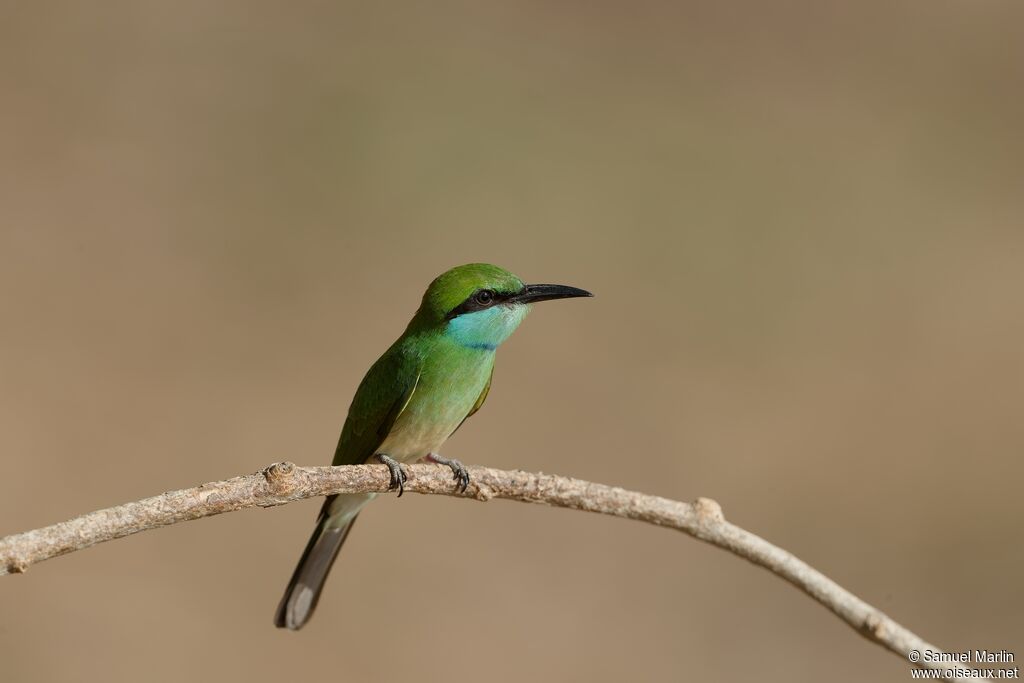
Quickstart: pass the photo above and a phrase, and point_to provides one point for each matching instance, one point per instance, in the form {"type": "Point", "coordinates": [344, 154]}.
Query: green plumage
{"type": "Point", "coordinates": [382, 396]}
{"type": "Point", "coordinates": [435, 376]}
{"type": "Point", "coordinates": [414, 385]}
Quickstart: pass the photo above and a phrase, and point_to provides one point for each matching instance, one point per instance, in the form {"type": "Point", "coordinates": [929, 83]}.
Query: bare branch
{"type": "Point", "coordinates": [283, 483]}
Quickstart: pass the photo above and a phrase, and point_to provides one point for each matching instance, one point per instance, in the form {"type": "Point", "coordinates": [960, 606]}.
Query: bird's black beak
{"type": "Point", "coordinates": [533, 293]}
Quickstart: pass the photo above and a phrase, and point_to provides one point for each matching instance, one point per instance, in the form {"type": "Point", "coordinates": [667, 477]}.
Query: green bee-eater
{"type": "Point", "coordinates": [414, 397]}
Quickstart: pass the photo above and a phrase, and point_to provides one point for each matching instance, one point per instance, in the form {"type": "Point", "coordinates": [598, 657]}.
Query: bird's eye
{"type": "Point", "coordinates": [484, 297]}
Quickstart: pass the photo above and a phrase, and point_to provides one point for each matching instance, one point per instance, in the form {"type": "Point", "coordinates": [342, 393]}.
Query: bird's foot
{"type": "Point", "coordinates": [461, 474]}
{"type": "Point", "coordinates": [398, 475]}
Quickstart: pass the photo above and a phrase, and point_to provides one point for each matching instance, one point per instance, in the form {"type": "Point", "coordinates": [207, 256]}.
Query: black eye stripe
{"type": "Point", "coordinates": [473, 304]}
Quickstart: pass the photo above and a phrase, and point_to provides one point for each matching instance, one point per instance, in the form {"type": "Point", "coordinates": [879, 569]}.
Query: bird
{"type": "Point", "coordinates": [436, 375]}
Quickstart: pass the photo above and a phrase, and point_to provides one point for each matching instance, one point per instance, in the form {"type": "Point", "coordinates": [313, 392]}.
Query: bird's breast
{"type": "Point", "coordinates": [447, 390]}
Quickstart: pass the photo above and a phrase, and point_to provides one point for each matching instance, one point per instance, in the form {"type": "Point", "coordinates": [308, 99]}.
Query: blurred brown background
{"type": "Point", "coordinates": [803, 223]}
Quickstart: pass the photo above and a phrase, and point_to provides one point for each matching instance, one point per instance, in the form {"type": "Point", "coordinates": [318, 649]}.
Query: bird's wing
{"type": "Point", "coordinates": [382, 396]}
{"type": "Point", "coordinates": [483, 396]}
{"type": "Point", "coordinates": [479, 401]}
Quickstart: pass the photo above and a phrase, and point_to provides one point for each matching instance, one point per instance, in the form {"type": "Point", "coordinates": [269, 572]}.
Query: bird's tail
{"type": "Point", "coordinates": [307, 580]}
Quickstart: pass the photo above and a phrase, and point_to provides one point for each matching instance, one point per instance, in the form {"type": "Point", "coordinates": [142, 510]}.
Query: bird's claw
{"type": "Point", "coordinates": [459, 471]}
{"type": "Point", "coordinates": [460, 474]}
{"type": "Point", "coordinates": [398, 475]}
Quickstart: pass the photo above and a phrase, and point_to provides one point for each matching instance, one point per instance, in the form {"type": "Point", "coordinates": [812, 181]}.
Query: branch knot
{"type": "Point", "coordinates": [708, 511]}
{"type": "Point", "coordinates": [279, 473]}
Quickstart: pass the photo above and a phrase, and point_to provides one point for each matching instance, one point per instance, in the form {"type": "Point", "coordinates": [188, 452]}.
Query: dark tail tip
{"type": "Point", "coordinates": [307, 582]}
{"type": "Point", "coordinates": [296, 607]}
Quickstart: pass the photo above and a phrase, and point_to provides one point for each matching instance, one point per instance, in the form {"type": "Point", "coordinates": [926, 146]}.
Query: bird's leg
{"type": "Point", "coordinates": [459, 470]}
{"type": "Point", "coordinates": [398, 475]}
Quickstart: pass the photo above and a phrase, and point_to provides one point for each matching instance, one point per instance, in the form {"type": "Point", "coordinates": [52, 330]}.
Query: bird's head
{"type": "Point", "coordinates": [479, 305]}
